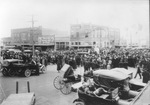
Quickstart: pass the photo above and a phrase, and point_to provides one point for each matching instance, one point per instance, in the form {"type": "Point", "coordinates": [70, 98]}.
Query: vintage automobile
{"type": "Point", "coordinates": [124, 71]}
{"type": "Point", "coordinates": [133, 83]}
{"type": "Point", "coordinates": [113, 79]}
{"type": "Point", "coordinates": [143, 98]}
{"type": "Point", "coordinates": [12, 67]}
{"type": "Point", "coordinates": [114, 82]}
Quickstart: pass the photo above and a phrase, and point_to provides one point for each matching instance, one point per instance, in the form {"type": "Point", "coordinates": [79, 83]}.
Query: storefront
{"type": "Point", "coordinates": [46, 43]}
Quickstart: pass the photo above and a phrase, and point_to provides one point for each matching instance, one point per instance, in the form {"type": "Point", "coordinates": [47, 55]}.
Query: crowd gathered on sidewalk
{"type": "Point", "coordinates": [106, 58]}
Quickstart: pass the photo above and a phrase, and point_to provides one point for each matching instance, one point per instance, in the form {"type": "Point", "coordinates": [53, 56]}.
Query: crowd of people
{"type": "Point", "coordinates": [106, 58]}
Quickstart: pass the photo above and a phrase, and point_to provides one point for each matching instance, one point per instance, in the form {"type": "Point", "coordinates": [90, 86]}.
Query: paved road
{"type": "Point", "coordinates": [42, 86]}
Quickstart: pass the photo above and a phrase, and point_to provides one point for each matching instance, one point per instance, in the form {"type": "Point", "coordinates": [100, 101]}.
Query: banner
{"type": "Point", "coordinates": [46, 40]}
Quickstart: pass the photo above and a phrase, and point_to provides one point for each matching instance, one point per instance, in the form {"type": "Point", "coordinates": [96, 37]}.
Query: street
{"type": "Point", "coordinates": [42, 86]}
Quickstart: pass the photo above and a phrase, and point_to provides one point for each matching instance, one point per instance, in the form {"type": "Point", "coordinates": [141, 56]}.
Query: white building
{"type": "Point", "coordinates": [89, 36]}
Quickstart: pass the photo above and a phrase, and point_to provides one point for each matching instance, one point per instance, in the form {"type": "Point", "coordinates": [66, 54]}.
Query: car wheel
{"type": "Point", "coordinates": [27, 73]}
{"type": "Point", "coordinates": [12, 73]}
{"type": "Point", "coordinates": [79, 103]}
{"type": "Point", "coordinates": [4, 72]}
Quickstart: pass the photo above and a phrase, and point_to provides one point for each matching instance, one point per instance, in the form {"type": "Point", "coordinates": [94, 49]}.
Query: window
{"type": "Point", "coordinates": [76, 43]}
{"type": "Point", "coordinates": [72, 43]}
{"type": "Point", "coordinates": [94, 43]}
{"type": "Point", "coordinates": [79, 43]}
{"type": "Point", "coordinates": [72, 36]}
{"type": "Point", "coordinates": [62, 42]}
{"type": "Point", "coordinates": [67, 43]}
{"type": "Point", "coordinates": [86, 36]}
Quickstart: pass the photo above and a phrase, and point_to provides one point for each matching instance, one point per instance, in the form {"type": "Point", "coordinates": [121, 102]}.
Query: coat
{"type": "Point", "coordinates": [146, 76]}
{"type": "Point", "coordinates": [73, 64]}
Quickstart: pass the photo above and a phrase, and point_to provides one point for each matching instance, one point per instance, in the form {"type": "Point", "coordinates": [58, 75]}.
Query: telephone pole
{"type": "Point", "coordinates": [32, 35]}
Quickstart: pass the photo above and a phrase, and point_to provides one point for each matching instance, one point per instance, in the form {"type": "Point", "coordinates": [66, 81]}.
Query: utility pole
{"type": "Point", "coordinates": [32, 36]}
{"type": "Point", "coordinates": [130, 38]}
{"type": "Point", "coordinates": [149, 39]}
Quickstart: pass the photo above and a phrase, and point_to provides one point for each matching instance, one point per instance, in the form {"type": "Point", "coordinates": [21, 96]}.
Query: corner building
{"type": "Point", "coordinates": [89, 36]}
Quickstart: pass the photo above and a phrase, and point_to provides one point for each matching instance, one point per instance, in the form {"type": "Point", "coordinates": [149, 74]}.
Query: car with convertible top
{"type": "Point", "coordinates": [12, 67]}
{"type": "Point", "coordinates": [114, 88]}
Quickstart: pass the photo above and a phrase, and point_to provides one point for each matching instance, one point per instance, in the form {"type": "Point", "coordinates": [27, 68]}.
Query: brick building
{"type": "Point", "coordinates": [89, 35]}
{"type": "Point", "coordinates": [40, 37]}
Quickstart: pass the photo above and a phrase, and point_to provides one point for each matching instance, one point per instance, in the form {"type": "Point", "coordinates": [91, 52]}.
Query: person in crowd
{"type": "Point", "coordinates": [72, 63]}
{"type": "Point", "coordinates": [146, 76]}
{"type": "Point", "coordinates": [78, 60]}
{"type": "Point", "coordinates": [59, 62]}
{"type": "Point", "coordinates": [33, 62]}
{"type": "Point", "coordinates": [100, 91]}
{"type": "Point", "coordinates": [138, 71]}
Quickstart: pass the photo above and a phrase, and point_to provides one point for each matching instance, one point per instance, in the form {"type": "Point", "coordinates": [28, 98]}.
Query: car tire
{"type": "Point", "coordinates": [4, 72]}
{"type": "Point", "coordinates": [27, 73]}
{"type": "Point", "coordinates": [79, 103]}
{"type": "Point", "coordinates": [12, 73]}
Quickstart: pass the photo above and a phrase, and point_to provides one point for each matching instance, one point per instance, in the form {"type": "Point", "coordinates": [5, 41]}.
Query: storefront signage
{"type": "Point", "coordinates": [46, 40]}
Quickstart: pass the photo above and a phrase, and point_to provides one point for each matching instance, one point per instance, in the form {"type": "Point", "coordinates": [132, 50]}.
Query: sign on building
{"type": "Point", "coordinates": [46, 40]}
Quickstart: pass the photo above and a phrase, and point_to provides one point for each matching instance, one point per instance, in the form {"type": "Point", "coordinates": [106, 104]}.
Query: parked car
{"type": "Point", "coordinates": [117, 86]}
{"type": "Point", "coordinates": [12, 67]}
{"type": "Point", "coordinates": [114, 79]}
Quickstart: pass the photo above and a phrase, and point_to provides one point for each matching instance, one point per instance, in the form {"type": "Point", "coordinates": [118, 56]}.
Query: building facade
{"type": "Point", "coordinates": [88, 35]}
{"type": "Point", "coordinates": [7, 41]}
{"type": "Point", "coordinates": [62, 43]}
{"type": "Point", "coordinates": [38, 36]}
{"type": "Point", "coordinates": [81, 36]}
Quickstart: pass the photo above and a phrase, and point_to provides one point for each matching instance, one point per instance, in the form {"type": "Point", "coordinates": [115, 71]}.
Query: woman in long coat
{"type": "Point", "coordinates": [72, 63]}
{"type": "Point", "coordinates": [146, 76]}
{"type": "Point", "coordinates": [59, 62]}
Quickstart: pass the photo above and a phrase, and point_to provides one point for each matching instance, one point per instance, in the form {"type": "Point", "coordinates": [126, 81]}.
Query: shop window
{"type": "Point", "coordinates": [86, 36]}
{"type": "Point", "coordinates": [94, 43]}
{"type": "Point", "coordinates": [57, 46]}
{"type": "Point", "coordinates": [67, 43]}
{"type": "Point", "coordinates": [79, 43]}
{"type": "Point", "coordinates": [62, 42]}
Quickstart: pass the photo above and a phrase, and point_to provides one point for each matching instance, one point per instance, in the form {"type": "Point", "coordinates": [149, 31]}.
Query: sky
{"type": "Point", "coordinates": [130, 16]}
